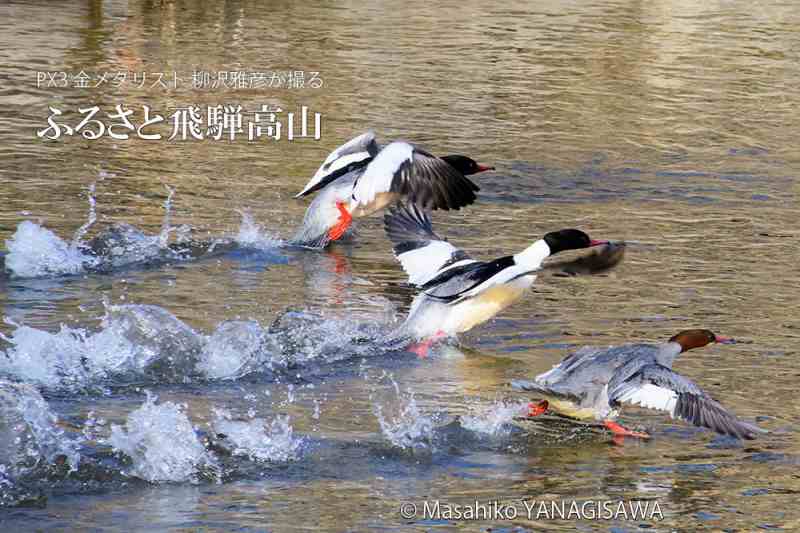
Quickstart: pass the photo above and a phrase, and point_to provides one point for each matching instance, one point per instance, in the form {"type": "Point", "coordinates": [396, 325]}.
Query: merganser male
{"type": "Point", "coordinates": [360, 178]}
{"type": "Point", "coordinates": [590, 384]}
{"type": "Point", "coordinates": [459, 292]}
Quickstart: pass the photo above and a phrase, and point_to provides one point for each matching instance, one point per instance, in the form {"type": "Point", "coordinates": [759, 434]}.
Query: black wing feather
{"type": "Point", "coordinates": [693, 405]}
{"type": "Point", "coordinates": [454, 282]}
{"type": "Point", "coordinates": [336, 174]}
{"type": "Point", "coordinates": [432, 183]}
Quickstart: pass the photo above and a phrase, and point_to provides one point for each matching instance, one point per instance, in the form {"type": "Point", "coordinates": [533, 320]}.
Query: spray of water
{"type": "Point", "coordinates": [163, 236]}
{"type": "Point", "coordinates": [258, 439]}
{"type": "Point", "coordinates": [34, 251]}
{"type": "Point", "coordinates": [162, 444]}
{"type": "Point", "coordinates": [30, 436]}
{"type": "Point", "coordinates": [493, 419]}
{"type": "Point", "coordinates": [253, 235]}
{"type": "Point", "coordinates": [402, 422]}
{"type": "Point", "coordinates": [91, 219]}
{"type": "Point", "coordinates": [136, 342]}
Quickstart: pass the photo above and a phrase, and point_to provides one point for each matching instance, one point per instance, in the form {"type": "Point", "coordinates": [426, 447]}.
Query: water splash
{"type": "Point", "coordinates": [30, 437]}
{"type": "Point", "coordinates": [92, 218]}
{"type": "Point", "coordinates": [407, 427]}
{"type": "Point", "coordinates": [163, 236]}
{"type": "Point", "coordinates": [121, 245]}
{"type": "Point", "coordinates": [35, 251]}
{"type": "Point", "coordinates": [162, 444]}
{"type": "Point", "coordinates": [136, 342]}
{"type": "Point", "coordinates": [49, 359]}
{"type": "Point", "coordinates": [133, 341]}
{"type": "Point", "coordinates": [306, 337]}
{"type": "Point", "coordinates": [253, 235]}
{"type": "Point", "coordinates": [238, 348]}
{"type": "Point", "coordinates": [494, 419]}
{"type": "Point", "coordinates": [258, 439]}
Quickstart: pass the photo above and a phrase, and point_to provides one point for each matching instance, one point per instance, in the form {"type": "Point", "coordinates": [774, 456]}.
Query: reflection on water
{"type": "Point", "coordinates": [669, 125]}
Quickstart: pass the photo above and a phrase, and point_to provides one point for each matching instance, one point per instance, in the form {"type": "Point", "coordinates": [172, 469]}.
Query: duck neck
{"type": "Point", "coordinates": [668, 352]}
{"type": "Point", "coordinates": [532, 256]}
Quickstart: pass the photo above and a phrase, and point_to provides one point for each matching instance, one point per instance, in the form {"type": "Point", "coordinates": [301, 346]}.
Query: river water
{"type": "Point", "coordinates": [234, 384]}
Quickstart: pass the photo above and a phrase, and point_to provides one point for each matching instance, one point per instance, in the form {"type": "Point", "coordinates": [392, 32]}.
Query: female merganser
{"type": "Point", "coordinates": [459, 292]}
{"type": "Point", "coordinates": [590, 384]}
{"type": "Point", "coordinates": [360, 178]}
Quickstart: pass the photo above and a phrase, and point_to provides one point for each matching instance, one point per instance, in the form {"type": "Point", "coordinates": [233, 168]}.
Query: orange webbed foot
{"type": "Point", "coordinates": [345, 218]}
{"type": "Point", "coordinates": [422, 348]}
{"type": "Point", "coordinates": [538, 408]}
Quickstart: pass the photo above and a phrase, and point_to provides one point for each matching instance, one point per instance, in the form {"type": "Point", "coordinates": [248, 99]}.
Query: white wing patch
{"type": "Point", "coordinates": [652, 397]}
{"type": "Point", "coordinates": [380, 173]}
{"type": "Point", "coordinates": [423, 264]}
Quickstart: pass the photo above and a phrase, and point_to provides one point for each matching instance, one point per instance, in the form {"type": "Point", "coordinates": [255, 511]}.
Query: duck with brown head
{"type": "Point", "coordinates": [594, 384]}
{"type": "Point", "coordinates": [697, 338]}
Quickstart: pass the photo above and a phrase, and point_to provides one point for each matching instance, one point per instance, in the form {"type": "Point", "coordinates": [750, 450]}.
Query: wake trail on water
{"type": "Point", "coordinates": [162, 441]}
{"type": "Point", "coordinates": [34, 251]}
{"type": "Point", "coordinates": [136, 344]}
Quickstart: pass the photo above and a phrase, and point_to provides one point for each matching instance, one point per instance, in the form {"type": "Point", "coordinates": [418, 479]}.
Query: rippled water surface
{"type": "Point", "coordinates": [207, 376]}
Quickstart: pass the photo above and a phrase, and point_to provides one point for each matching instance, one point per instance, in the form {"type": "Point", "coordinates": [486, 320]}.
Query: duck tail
{"type": "Point", "coordinates": [531, 386]}
{"type": "Point", "coordinates": [542, 390]}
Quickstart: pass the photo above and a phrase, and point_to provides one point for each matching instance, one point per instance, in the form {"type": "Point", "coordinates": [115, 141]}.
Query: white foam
{"type": "Point", "coordinates": [145, 341]}
{"type": "Point", "coordinates": [162, 444]}
{"type": "Point", "coordinates": [493, 419]}
{"type": "Point", "coordinates": [133, 341]}
{"type": "Point", "coordinates": [35, 251]}
{"type": "Point", "coordinates": [235, 349]}
{"type": "Point", "coordinates": [30, 436]}
{"type": "Point", "coordinates": [49, 359]}
{"type": "Point", "coordinates": [407, 428]}
{"type": "Point", "coordinates": [253, 235]}
{"type": "Point", "coordinates": [258, 439]}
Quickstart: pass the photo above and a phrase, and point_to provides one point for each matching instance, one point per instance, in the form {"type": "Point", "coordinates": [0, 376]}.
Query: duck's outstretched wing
{"type": "Point", "coordinates": [464, 281]}
{"type": "Point", "coordinates": [421, 252]}
{"type": "Point", "coordinates": [568, 364]}
{"type": "Point", "coordinates": [420, 177]}
{"type": "Point", "coordinates": [353, 154]}
{"type": "Point", "coordinates": [657, 387]}
{"type": "Point", "coordinates": [443, 271]}
{"type": "Point", "coordinates": [600, 259]}
{"type": "Point", "coordinates": [543, 390]}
